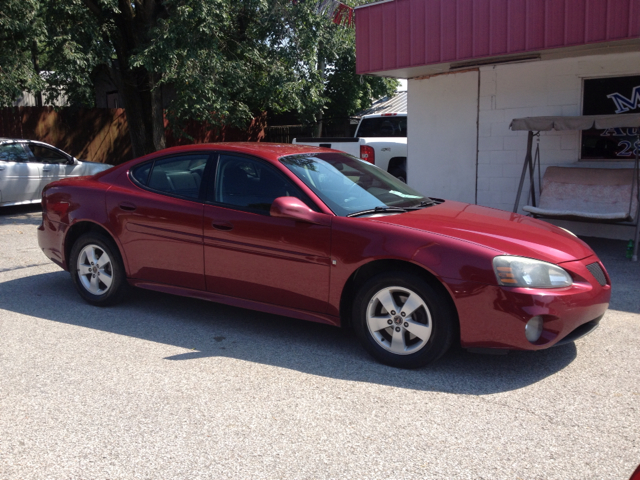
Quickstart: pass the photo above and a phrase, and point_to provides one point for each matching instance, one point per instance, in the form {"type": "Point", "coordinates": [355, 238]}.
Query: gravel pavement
{"type": "Point", "coordinates": [162, 387]}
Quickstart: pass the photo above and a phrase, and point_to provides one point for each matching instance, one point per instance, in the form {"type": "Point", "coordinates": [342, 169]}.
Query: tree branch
{"type": "Point", "coordinates": [126, 9]}
{"type": "Point", "coordinates": [93, 8]}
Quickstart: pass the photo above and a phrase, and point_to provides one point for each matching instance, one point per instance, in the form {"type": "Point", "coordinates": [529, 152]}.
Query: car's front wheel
{"type": "Point", "coordinates": [97, 270]}
{"type": "Point", "coordinates": [402, 320]}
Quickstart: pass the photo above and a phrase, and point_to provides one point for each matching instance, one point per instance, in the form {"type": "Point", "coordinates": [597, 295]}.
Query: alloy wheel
{"type": "Point", "coordinates": [399, 320]}
{"type": "Point", "coordinates": [95, 270]}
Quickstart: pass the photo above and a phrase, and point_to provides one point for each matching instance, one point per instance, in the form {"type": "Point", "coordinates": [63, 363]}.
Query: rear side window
{"type": "Point", "coordinates": [141, 173]}
{"type": "Point", "coordinates": [177, 176]}
{"type": "Point", "coordinates": [383, 127]}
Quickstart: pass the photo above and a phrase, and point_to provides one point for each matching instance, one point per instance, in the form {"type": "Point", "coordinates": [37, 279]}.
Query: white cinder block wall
{"type": "Point", "coordinates": [505, 92]}
{"type": "Point", "coordinates": [442, 138]}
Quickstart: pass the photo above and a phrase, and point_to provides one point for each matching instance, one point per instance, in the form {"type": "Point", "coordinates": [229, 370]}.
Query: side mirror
{"type": "Point", "coordinates": [296, 209]}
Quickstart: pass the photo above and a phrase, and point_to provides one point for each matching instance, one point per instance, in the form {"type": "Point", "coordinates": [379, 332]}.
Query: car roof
{"type": "Point", "coordinates": [269, 151]}
{"type": "Point", "coordinates": [23, 140]}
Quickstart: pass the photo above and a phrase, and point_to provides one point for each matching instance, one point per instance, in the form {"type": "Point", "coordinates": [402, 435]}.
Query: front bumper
{"type": "Point", "coordinates": [495, 317]}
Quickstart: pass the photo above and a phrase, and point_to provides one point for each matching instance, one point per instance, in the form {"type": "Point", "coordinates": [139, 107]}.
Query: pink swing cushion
{"type": "Point", "coordinates": [590, 193]}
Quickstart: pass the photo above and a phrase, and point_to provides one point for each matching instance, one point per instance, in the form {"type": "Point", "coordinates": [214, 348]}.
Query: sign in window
{"type": "Point", "coordinates": [611, 96]}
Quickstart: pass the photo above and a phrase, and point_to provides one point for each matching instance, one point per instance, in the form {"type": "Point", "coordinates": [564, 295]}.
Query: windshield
{"type": "Point", "coordinates": [348, 185]}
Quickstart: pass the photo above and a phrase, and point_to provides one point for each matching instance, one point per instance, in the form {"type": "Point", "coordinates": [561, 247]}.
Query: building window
{"type": "Point", "coordinates": [607, 96]}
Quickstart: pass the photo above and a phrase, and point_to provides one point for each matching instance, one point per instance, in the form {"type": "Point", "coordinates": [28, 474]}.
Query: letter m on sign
{"type": "Point", "coordinates": [624, 104]}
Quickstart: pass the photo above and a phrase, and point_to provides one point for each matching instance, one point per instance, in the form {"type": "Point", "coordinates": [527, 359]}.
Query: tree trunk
{"type": "Point", "coordinates": [126, 83]}
{"type": "Point", "coordinates": [138, 87]}
{"type": "Point", "coordinates": [142, 101]}
{"type": "Point", "coordinates": [36, 67]}
{"type": "Point", "coordinates": [157, 113]}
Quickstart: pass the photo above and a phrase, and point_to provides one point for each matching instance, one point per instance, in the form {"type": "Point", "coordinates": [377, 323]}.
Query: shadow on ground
{"type": "Point", "coordinates": [21, 215]}
{"type": "Point", "coordinates": [213, 330]}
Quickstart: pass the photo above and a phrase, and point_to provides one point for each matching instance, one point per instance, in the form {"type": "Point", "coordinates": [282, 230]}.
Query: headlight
{"type": "Point", "coordinates": [527, 272]}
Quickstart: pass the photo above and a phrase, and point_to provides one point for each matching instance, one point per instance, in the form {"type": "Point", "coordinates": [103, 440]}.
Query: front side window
{"type": "Point", "coordinates": [13, 153]}
{"type": "Point", "coordinates": [47, 155]}
{"type": "Point", "coordinates": [250, 184]}
{"type": "Point", "coordinates": [350, 186]}
{"type": "Point", "coordinates": [178, 176]}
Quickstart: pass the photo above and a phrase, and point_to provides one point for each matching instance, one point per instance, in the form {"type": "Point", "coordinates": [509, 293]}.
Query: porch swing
{"type": "Point", "coordinates": [603, 195]}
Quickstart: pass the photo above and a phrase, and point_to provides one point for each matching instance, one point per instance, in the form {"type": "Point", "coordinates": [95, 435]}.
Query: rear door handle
{"type": "Point", "coordinates": [129, 207]}
{"type": "Point", "coordinates": [222, 226]}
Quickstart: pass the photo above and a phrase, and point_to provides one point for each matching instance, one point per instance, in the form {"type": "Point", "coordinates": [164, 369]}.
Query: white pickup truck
{"type": "Point", "coordinates": [381, 139]}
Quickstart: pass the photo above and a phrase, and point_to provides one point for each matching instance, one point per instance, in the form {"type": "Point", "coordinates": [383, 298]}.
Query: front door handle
{"type": "Point", "coordinates": [128, 207]}
{"type": "Point", "coordinates": [222, 226]}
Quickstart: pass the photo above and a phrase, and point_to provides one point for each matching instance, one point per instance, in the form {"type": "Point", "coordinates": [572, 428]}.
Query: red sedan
{"type": "Point", "coordinates": [316, 234]}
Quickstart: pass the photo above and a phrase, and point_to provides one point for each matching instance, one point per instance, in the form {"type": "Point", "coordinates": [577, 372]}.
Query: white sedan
{"type": "Point", "coordinates": [26, 166]}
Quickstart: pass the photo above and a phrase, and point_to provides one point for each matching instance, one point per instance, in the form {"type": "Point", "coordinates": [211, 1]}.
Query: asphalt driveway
{"type": "Point", "coordinates": [174, 388]}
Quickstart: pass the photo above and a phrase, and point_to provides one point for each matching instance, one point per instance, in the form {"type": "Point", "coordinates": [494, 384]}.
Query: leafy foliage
{"type": "Point", "coordinates": [224, 61]}
{"type": "Point", "coordinates": [20, 35]}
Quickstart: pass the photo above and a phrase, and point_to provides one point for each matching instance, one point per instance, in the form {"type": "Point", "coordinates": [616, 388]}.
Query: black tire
{"type": "Point", "coordinates": [90, 279]}
{"type": "Point", "coordinates": [434, 315]}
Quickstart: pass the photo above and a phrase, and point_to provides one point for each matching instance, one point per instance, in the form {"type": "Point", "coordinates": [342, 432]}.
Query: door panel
{"type": "Point", "coordinates": [50, 172]}
{"type": "Point", "coordinates": [19, 179]}
{"type": "Point", "coordinates": [20, 182]}
{"type": "Point", "coordinates": [251, 255]}
{"type": "Point", "coordinates": [267, 259]}
{"type": "Point", "coordinates": [51, 163]}
{"type": "Point", "coordinates": [161, 234]}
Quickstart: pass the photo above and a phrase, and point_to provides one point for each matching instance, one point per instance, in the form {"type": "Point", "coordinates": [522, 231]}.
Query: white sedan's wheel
{"type": "Point", "coordinates": [95, 270]}
{"type": "Point", "coordinates": [399, 320]}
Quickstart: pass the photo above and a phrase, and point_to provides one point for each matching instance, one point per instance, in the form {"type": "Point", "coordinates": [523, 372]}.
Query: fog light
{"type": "Point", "coordinates": [533, 329]}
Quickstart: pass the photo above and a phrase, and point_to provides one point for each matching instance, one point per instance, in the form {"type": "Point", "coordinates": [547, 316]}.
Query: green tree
{"type": "Point", "coordinates": [344, 92]}
{"type": "Point", "coordinates": [20, 36]}
{"type": "Point", "coordinates": [224, 60]}
{"type": "Point", "coordinates": [347, 93]}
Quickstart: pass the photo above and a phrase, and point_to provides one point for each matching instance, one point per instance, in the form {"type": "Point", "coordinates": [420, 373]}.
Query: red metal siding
{"type": "Point", "coordinates": [411, 33]}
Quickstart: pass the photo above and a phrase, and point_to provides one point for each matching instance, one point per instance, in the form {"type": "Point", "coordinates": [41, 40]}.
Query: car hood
{"type": "Point", "coordinates": [505, 232]}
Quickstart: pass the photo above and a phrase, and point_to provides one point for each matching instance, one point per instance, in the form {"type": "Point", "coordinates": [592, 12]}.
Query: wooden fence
{"type": "Point", "coordinates": [102, 134]}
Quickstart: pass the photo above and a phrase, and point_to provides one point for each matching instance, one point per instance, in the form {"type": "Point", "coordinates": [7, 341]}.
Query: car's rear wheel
{"type": "Point", "coordinates": [402, 320]}
{"type": "Point", "coordinates": [97, 270]}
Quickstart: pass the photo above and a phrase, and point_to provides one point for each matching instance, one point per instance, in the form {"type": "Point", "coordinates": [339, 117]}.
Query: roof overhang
{"type": "Point", "coordinates": [415, 38]}
{"type": "Point", "coordinates": [421, 71]}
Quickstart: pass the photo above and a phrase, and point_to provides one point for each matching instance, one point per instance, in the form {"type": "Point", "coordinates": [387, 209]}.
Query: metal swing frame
{"type": "Point", "coordinates": [535, 125]}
